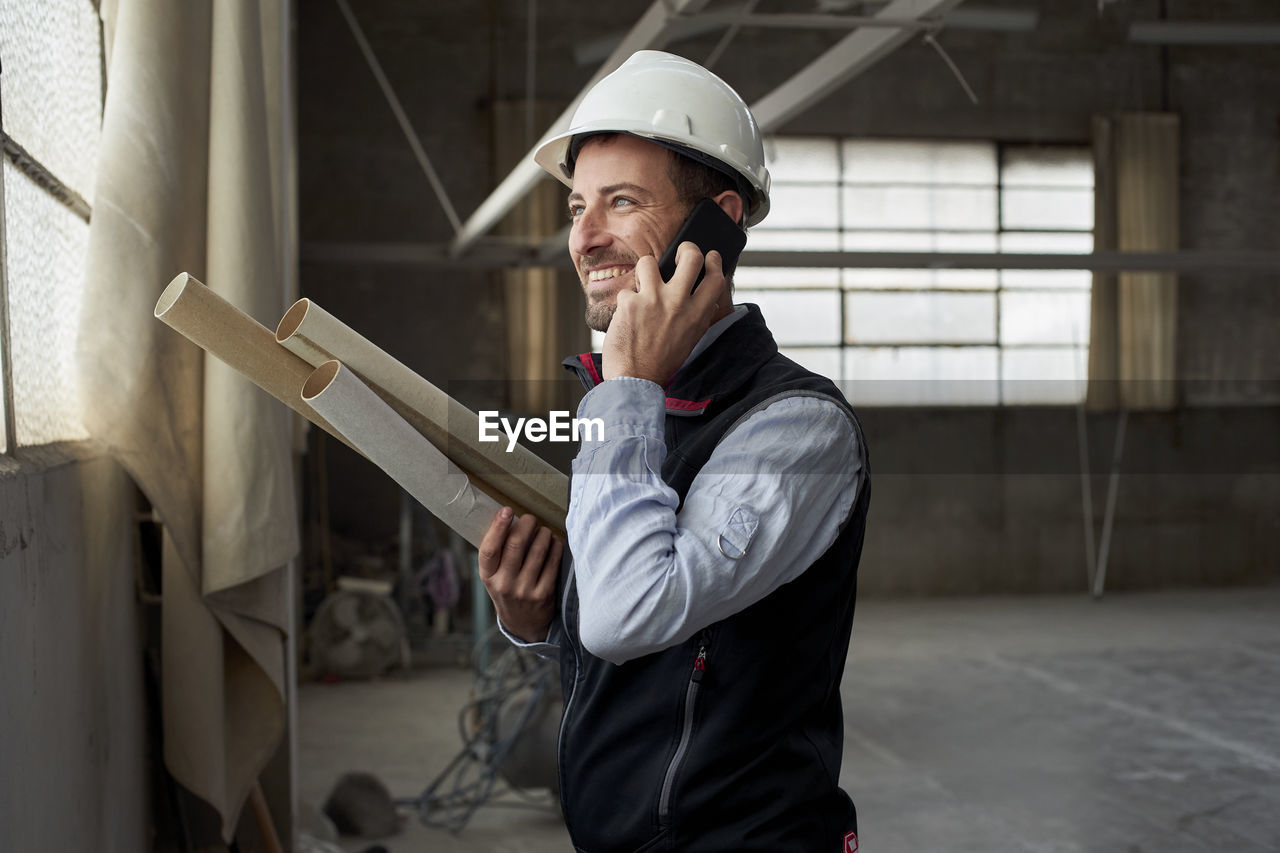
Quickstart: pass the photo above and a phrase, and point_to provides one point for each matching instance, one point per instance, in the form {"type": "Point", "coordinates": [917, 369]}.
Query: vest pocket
{"type": "Point", "coordinates": [686, 734]}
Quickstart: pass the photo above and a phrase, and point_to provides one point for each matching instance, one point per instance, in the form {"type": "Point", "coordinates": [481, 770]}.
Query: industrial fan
{"type": "Point", "coordinates": [357, 633]}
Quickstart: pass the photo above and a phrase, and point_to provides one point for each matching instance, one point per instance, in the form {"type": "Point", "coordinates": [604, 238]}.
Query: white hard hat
{"type": "Point", "coordinates": [676, 103]}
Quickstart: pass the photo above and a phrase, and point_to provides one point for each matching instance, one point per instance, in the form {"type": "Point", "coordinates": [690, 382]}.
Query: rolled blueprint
{"type": "Point", "coordinates": [392, 444]}
{"type": "Point", "coordinates": [519, 478]}
{"type": "Point", "coordinates": [248, 347]}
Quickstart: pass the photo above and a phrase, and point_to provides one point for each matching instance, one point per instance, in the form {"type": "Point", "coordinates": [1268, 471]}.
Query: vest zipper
{"type": "Point", "coordinates": [568, 704]}
{"type": "Point", "coordinates": [686, 733]}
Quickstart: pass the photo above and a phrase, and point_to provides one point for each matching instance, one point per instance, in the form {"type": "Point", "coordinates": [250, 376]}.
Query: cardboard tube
{"type": "Point", "coordinates": [248, 347]}
{"type": "Point", "coordinates": [531, 484]}
{"type": "Point", "coordinates": [397, 448]}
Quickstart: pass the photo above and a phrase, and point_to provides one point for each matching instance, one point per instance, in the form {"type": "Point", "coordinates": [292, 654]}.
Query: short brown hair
{"type": "Point", "coordinates": [695, 181]}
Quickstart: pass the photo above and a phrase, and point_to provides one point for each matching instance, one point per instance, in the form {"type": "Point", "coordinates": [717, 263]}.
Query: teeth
{"type": "Point", "coordinates": [601, 275]}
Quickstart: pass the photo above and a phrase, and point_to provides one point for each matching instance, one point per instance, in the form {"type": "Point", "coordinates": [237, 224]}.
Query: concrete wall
{"type": "Point", "coordinates": [73, 745]}
{"type": "Point", "coordinates": [1188, 519]}
{"type": "Point", "coordinates": [991, 500]}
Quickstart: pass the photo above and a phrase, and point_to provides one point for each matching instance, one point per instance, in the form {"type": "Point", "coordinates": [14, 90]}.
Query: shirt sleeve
{"type": "Point", "coordinates": [769, 501]}
{"type": "Point", "coordinates": [550, 648]}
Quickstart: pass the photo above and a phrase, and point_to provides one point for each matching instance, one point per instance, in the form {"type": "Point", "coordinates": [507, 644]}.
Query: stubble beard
{"type": "Point", "coordinates": [599, 314]}
{"type": "Point", "coordinates": [600, 309]}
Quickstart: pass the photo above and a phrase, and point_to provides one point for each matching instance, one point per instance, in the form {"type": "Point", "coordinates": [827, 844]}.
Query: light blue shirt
{"type": "Point", "coordinates": [769, 501]}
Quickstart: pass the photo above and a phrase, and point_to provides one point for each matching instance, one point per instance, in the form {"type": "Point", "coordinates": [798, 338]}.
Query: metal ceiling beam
{"type": "Point", "coordinates": [508, 254]}
{"type": "Point", "coordinates": [1204, 33]}
{"type": "Point", "coordinates": [850, 56]}
{"type": "Point", "coordinates": [968, 18]}
{"type": "Point", "coordinates": [652, 30]}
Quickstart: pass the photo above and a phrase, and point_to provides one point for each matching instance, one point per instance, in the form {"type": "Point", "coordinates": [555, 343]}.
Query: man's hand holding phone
{"type": "Point", "coordinates": [655, 327]}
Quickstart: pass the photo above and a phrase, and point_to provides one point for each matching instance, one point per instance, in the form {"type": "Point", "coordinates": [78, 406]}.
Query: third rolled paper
{"type": "Point", "coordinates": [392, 444]}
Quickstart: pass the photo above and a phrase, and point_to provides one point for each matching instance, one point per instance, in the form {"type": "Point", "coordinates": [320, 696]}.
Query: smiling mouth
{"type": "Point", "coordinates": [607, 273]}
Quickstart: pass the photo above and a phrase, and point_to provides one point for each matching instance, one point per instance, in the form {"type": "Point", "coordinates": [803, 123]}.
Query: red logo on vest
{"type": "Point", "coordinates": [851, 843]}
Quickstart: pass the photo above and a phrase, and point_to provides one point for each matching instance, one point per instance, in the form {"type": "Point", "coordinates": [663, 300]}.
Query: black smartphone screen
{"type": "Point", "coordinates": [708, 227]}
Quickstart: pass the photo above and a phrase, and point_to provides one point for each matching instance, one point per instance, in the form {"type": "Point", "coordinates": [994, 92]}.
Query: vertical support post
{"type": "Point", "coordinates": [406, 553]}
{"type": "Point", "coordinates": [480, 623]}
{"type": "Point", "coordinates": [1109, 514]}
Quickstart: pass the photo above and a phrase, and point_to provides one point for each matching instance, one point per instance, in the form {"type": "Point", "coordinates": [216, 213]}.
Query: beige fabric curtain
{"type": "Point", "coordinates": [1134, 314]}
{"type": "Point", "coordinates": [190, 179]}
{"type": "Point", "coordinates": [544, 307]}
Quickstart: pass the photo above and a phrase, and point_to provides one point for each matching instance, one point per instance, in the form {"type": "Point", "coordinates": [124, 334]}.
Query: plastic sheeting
{"type": "Point", "coordinates": [44, 246]}
{"type": "Point", "coordinates": [52, 86]}
{"type": "Point", "coordinates": [189, 166]}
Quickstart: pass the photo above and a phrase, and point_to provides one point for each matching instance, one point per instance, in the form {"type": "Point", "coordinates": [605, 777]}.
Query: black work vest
{"type": "Point", "coordinates": [731, 740]}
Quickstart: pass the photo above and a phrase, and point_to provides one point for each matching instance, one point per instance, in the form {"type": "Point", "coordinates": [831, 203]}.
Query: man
{"type": "Point", "coordinates": [703, 623]}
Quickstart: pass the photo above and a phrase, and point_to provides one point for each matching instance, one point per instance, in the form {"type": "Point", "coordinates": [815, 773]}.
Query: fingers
{"type": "Point", "coordinates": [550, 569]}
{"type": "Point", "coordinates": [514, 556]}
{"type": "Point", "coordinates": [519, 538]}
{"type": "Point", "coordinates": [491, 546]}
{"type": "Point", "coordinates": [689, 263]}
{"type": "Point", "coordinates": [714, 290]}
{"type": "Point", "coordinates": [647, 274]}
{"type": "Point", "coordinates": [536, 555]}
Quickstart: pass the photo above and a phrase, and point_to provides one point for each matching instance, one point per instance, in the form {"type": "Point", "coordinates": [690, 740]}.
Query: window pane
{"type": "Point", "coordinates": [1054, 317]}
{"type": "Point", "coordinates": [1050, 208]}
{"type": "Point", "coordinates": [930, 336]}
{"type": "Point", "coordinates": [951, 241]}
{"type": "Point", "coordinates": [51, 87]}
{"type": "Point", "coordinates": [45, 246]}
{"type": "Point", "coordinates": [803, 206]}
{"type": "Point", "coordinates": [889, 241]}
{"type": "Point", "coordinates": [1046, 279]}
{"type": "Point", "coordinates": [764, 239]}
{"type": "Point", "coordinates": [950, 318]}
{"type": "Point", "coordinates": [913, 162]}
{"type": "Point", "coordinates": [903, 376]}
{"type": "Point", "coordinates": [798, 317]}
{"type": "Point", "coordinates": [888, 278]}
{"type": "Point", "coordinates": [1044, 376]}
{"type": "Point", "coordinates": [919, 241]}
{"type": "Point", "coordinates": [914, 207]}
{"type": "Point", "coordinates": [1037, 166]}
{"type": "Point", "coordinates": [801, 158]}
{"type": "Point", "coordinates": [821, 360]}
{"type": "Point", "coordinates": [1056, 243]}
{"type": "Point", "coordinates": [1048, 242]}
{"type": "Point", "coordinates": [785, 277]}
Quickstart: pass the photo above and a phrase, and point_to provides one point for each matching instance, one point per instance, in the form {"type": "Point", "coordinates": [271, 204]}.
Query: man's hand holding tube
{"type": "Point", "coordinates": [519, 562]}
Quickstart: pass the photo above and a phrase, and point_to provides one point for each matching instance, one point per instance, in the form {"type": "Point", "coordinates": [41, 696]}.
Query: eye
{"type": "Point", "coordinates": [575, 210]}
{"type": "Point", "coordinates": [621, 201]}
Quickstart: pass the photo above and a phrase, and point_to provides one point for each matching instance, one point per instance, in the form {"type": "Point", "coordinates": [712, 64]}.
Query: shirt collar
{"type": "Point", "coordinates": [717, 329]}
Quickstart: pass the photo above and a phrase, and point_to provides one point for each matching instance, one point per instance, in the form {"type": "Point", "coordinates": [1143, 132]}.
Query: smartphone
{"type": "Point", "coordinates": [708, 227]}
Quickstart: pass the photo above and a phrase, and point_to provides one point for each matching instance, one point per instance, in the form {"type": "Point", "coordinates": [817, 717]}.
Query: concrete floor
{"type": "Point", "coordinates": [1145, 722]}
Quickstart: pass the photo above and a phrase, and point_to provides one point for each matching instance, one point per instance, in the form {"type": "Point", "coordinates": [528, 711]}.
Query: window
{"type": "Point", "coordinates": [929, 336]}
{"type": "Point", "coordinates": [50, 115]}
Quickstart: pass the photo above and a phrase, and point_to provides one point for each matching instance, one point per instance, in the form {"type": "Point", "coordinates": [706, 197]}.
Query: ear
{"type": "Point", "coordinates": [731, 203]}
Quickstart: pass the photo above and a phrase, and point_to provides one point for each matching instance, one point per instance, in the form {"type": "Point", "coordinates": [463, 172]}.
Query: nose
{"type": "Point", "coordinates": [588, 233]}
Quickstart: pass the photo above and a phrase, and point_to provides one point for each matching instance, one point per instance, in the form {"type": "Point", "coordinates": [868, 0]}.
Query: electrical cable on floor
{"type": "Point", "coordinates": [471, 778]}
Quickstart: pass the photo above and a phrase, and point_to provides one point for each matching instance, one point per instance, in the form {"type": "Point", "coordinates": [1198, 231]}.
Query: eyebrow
{"type": "Point", "coordinates": [634, 189]}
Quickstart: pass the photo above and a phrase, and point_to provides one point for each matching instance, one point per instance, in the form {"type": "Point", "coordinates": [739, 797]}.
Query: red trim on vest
{"type": "Point", "coordinates": [589, 363]}
{"type": "Point", "coordinates": [851, 843]}
{"type": "Point", "coordinates": [687, 405]}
